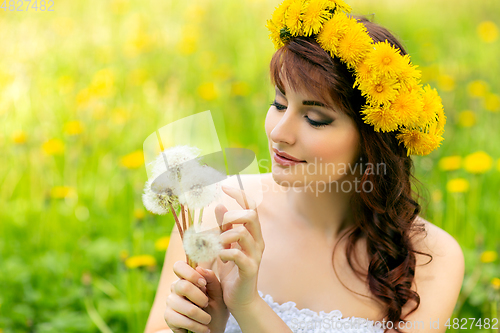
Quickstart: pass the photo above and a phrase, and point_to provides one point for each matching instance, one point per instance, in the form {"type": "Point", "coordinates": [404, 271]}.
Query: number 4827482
{"type": "Point", "coordinates": [20, 5]}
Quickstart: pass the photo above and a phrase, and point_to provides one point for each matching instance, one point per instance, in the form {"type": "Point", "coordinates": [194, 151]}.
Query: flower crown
{"type": "Point", "coordinates": [396, 101]}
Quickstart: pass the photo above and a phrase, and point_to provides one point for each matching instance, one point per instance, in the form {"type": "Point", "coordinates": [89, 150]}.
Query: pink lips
{"type": "Point", "coordinates": [285, 159]}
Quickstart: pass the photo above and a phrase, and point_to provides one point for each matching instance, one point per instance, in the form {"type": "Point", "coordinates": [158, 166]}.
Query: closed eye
{"type": "Point", "coordinates": [312, 122]}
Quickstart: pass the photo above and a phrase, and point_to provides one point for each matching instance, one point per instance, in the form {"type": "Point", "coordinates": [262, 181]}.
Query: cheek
{"type": "Point", "coordinates": [269, 123]}
{"type": "Point", "coordinates": [341, 146]}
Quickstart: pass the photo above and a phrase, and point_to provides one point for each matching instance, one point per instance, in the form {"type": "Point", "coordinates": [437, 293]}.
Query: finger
{"type": "Point", "coordinates": [186, 272]}
{"type": "Point", "coordinates": [246, 266]}
{"type": "Point", "coordinates": [181, 305]}
{"type": "Point", "coordinates": [240, 196]}
{"type": "Point", "coordinates": [191, 292]}
{"type": "Point", "coordinates": [214, 287]}
{"type": "Point", "coordinates": [250, 220]}
{"type": "Point", "coordinates": [242, 236]}
{"type": "Point", "coordinates": [177, 321]}
{"type": "Point", "coordinates": [220, 210]}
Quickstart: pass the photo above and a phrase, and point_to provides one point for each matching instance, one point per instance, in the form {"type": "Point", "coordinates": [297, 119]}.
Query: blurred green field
{"type": "Point", "coordinates": [82, 87]}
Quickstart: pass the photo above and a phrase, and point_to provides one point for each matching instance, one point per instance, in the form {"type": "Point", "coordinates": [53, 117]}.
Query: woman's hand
{"type": "Point", "coordinates": [196, 301]}
{"type": "Point", "coordinates": [242, 253]}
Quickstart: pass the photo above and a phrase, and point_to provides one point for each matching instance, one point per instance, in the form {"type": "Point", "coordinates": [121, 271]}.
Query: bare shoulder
{"type": "Point", "coordinates": [438, 280]}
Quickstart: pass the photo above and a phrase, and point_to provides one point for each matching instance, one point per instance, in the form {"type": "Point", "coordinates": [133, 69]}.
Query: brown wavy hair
{"type": "Point", "coordinates": [385, 216]}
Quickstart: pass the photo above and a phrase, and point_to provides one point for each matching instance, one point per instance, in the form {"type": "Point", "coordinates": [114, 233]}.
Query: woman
{"type": "Point", "coordinates": [344, 245]}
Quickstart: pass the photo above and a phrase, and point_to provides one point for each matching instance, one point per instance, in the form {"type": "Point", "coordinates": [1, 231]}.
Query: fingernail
{"type": "Point", "coordinates": [202, 282]}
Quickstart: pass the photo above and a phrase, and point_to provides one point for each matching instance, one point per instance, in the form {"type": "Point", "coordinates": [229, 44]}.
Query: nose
{"type": "Point", "coordinates": [285, 130]}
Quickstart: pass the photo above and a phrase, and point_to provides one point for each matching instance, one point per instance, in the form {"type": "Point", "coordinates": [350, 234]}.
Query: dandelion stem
{"type": "Point", "coordinates": [183, 217]}
{"type": "Point", "coordinates": [199, 217]}
{"type": "Point", "coordinates": [176, 220]}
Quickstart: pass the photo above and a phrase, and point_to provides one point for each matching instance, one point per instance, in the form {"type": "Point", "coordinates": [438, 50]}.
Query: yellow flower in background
{"type": "Point", "coordinates": [139, 213]}
{"type": "Point", "coordinates": [240, 88]}
{"type": "Point", "coordinates": [133, 160]}
{"type": "Point", "coordinates": [207, 91]}
{"type": "Point", "coordinates": [437, 195]}
{"type": "Point", "coordinates": [466, 118]}
{"type": "Point", "coordinates": [450, 163]}
{"type": "Point", "coordinates": [123, 255]}
{"type": "Point", "coordinates": [83, 98]}
{"type": "Point", "coordinates": [488, 256]}
{"type": "Point", "coordinates": [477, 88]}
{"type": "Point", "coordinates": [446, 83]}
{"type": "Point", "coordinates": [189, 39]}
{"type": "Point", "coordinates": [144, 260]}
{"type": "Point", "coordinates": [53, 147]}
{"type": "Point", "coordinates": [162, 243]}
{"type": "Point", "coordinates": [102, 84]}
{"type": "Point", "coordinates": [487, 31]}
{"type": "Point", "coordinates": [119, 115]}
{"type": "Point", "coordinates": [429, 73]}
{"type": "Point", "coordinates": [457, 185]}
{"type": "Point", "coordinates": [137, 76]}
{"type": "Point", "coordinates": [478, 162]}
{"type": "Point", "coordinates": [61, 192]}
{"type": "Point", "coordinates": [120, 7]}
{"type": "Point", "coordinates": [74, 127]}
{"type": "Point", "coordinates": [19, 137]}
{"type": "Point", "coordinates": [492, 102]}
{"type": "Point", "coordinates": [495, 282]}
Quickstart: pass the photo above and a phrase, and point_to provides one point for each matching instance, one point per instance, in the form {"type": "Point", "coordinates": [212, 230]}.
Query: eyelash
{"type": "Point", "coordinates": [312, 122]}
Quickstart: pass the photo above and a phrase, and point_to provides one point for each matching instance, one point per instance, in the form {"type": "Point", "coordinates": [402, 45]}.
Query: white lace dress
{"type": "Point", "coordinates": [308, 321]}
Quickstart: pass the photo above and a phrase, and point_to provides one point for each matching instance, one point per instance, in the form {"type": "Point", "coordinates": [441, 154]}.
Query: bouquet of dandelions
{"type": "Point", "coordinates": [181, 185]}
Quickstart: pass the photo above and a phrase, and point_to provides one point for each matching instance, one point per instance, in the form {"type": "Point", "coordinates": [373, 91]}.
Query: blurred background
{"type": "Point", "coordinates": [82, 86]}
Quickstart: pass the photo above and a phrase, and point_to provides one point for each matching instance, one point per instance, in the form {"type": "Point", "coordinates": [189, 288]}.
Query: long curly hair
{"type": "Point", "coordinates": [386, 215]}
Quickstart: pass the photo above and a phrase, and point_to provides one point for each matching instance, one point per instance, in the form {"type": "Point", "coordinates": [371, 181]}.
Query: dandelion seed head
{"type": "Point", "coordinates": [203, 246]}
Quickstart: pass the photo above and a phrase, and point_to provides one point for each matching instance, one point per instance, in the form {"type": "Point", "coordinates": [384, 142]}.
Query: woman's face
{"type": "Point", "coordinates": [326, 139]}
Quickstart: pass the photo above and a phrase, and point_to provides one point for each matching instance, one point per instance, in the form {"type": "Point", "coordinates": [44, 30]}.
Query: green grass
{"type": "Point", "coordinates": [61, 256]}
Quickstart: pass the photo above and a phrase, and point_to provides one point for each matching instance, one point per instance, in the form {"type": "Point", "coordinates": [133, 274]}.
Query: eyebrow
{"type": "Point", "coordinates": [316, 103]}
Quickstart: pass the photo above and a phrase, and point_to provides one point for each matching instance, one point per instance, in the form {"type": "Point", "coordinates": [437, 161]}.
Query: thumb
{"type": "Point", "coordinates": [214, 288]}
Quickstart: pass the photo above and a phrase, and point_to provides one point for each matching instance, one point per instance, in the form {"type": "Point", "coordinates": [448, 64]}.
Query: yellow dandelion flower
{"type": "Point", "coordinates": [293, 17]}
{"type": "Point", "coordinates": [339, 4]}
{"type": "Point", "coordinates": [53, 147]}
{"type": "Point", "coordinates": [240, 88]}
{"type": "Point", "coordinates": [279, 13]}
{"type": "Point", "coordinates": [408, 75]}
{"type": "Point", "coordinates": [386, 59]}
{"type": "Point", "coordinates": [133, 160]}
{"type": "Point", "coordinates": [74, 127]}
{"type": "Point", "coordinates": [432, 106]}
{"type": "Point", "coordinates": [408, 106]}
{"type": "Point", "coordinates": [488, 31]}
{"type": "Point", "coordinates": [61, 192]}
{"type": "Point", "coordinates": [478, 162]}
{"type": "Point", "coordinates": [207, 91]}
{"type": "Point", "coordinates": [492, 102]}
{"type": "Point", "coordinates": [457, 185]}
{"type": "Point", "coordinates": [437, 195]}
{"type": "Point", "coordinates": [495, 282]}
{"type": "Point", "coordinates": [333, 30]}
{"type": "Point", "coordinates": [161, 244]}
{"type": "Point", "coordinates": [275, 34]}
{"type": "Point", "coordinates": [382, 118]}
{"type": "Point", "coordinates": [315, 14]}
{"type": "Point", "coordinates": [488, 256]}
{"type": "Point", "coordinates": [355, 45]}
{"type": "Point", "coordinates": [446, 82]}
{"type": "Point", "coordinates": [450, 163]}
{"type": "Point", "coordinates": [139, 213]}
{"type": "Point", "coordinates": [19, 137]}
{"type": "Point", "coordinates": [418, 142]}
{"type": "Point", "coordinates": [140, 261]}
{"type": "Point", "coordinates": [381, 91]}
{"type": "Point", "coordinates": [466, 118]}
{"type": "Point", "coordinates": [102, 83]}
{"type": "Point", "coordinates": [364, 73]}
{"type": "Point", "coordinates": [477, 88]}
